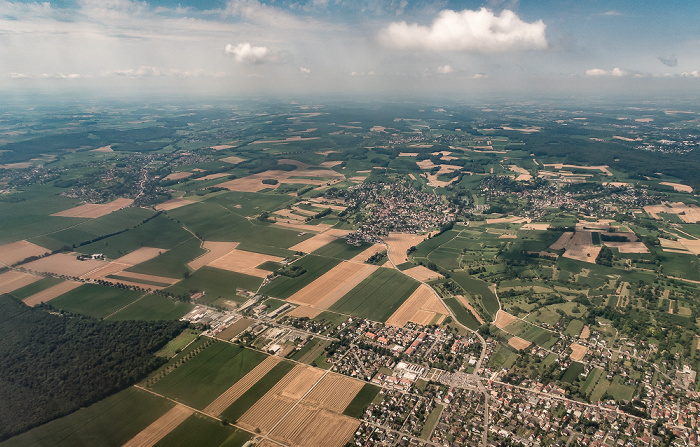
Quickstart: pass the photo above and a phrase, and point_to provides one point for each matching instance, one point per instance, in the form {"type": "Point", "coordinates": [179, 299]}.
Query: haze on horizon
{"type": "Point", "coordinates": [386, 47]}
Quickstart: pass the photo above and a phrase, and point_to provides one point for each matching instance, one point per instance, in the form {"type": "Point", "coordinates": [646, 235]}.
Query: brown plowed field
{"type": "Point", "coordinates": [172, 204]}
{"type": "Point", "coordinates": [371, 251]}
{"type": "Point", "coordinates": [581, 248]}
{"type": "Point", "coordinates": [64, 264]}
{"type": "Point", "coordinates": [52, 292]}
{"type": "Point", "coordinates": [334, 392]}
{"type": "Point", "coordinates": [13, 280]}
{"type": "Point", "coordinates": [422, 273]}
{"type": "Point", "coordinates": [216, 250]}
{"type": "Point", "coordinates": [333, 285]}
{"type": "Point", "coordinates": [518, 343]}
{"type": "Point", "coordinates": [280, 399]}
{"type": "Point", "coordinates": [318, 241]}
{"type": "Point", "coordinates": [503, 319]}
{"type": "Point", "coordinates": [578, 352]}
{"type": "Point", "coordinates": [562, 241]}
{"type": "Point", "coordinates": [235, 329]}
{"type": "Point", "coordinates": [399, 243]}
{"type": "Point", "coordinates": [150, 435]}
{"type": "Point", "coordinates": [628, 247]}
{"type": "Point", "coordinates": [140, 255]}
{"type": "Point", "coordinates": [311, 427]}
{"type": "Point", "coordinates": [304, 311]}
{"type": "Point", "coordinates": [93, 210]}
{"type": "Point", "coordinates": [19, 251]}
{"type": "Point", "coordinates": [240, 261]}
{"type": "Point", "coordinates": [229, 396]}
{"type": "Point", "coordinates": [422, 305]}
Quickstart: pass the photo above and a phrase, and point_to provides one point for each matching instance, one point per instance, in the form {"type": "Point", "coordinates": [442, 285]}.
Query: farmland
{"type": "Point", "coordinates": [392, 286]}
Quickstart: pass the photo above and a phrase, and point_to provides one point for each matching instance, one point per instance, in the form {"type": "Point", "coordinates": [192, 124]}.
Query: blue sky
{"type": "Point", "coordinates": [349, 46]}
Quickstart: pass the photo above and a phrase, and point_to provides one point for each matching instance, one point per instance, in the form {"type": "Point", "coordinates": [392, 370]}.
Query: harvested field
{"type": "Point", "coordinates": [371, 251]}
{"type": "Point", "coordinates": [304, 311]}
{"type": "Point", "coordinates": [579, 246]}
{"type": "Point", "coordinates": [667, 243]}
{"type": "Point", "coordinates": [399, 243]}
{"type": "Point", "coordinates": [215, 251]}
{"type": "Point", "coordinates": [228, 397]}
{"type": "Point", "coordinates": [253, 183]}
{"type": "Point", "coordinates": [19, 251]}
{"type": "Point", "coordinates": [64, 264]}
{"type": "Point", "coordinates": [420, 307]}
{"type": "Point", "coordinates": [93, 210]}
{"type": "Point", "coordinates": [408, 154]}
{"type": "Point", "coordinates": [585, 333]}
{"type": "Point", "coordinates": [535, 226]}
{"type": "Point", "coordinates": [511, 219]}
{"type": "Point", "coordinates": [233, 160]}
{"type": "Point", "coordinates": [467, 305]}
{"type": "Point", "coordinates": [221, 147]}
{"type": "Point", "coordinates": [172, 204]}
{"type": "Point", "coordinates": [244, 262]}
{"type": "Point", "coordinates": [333, 285]}
{"type": "Point", "coordinates": [103, 149]}
{"type": "Point", "coordinates": [422, 273]}
{"type": "Point", "coordinates": [688, 213]}
{"type": "Point", "coordinates": [578, 352]}
{"type": "Point", "coordinates": [308, 426]}
{"type": "Point", "coordinates": [270, 408]}
{"type": "Point", "coordinates": [212, 176]}
{"type": "Point", "coordinates": [692, 245]}
{"type": "Point", "coordinates": [518, 343]}
{"type": "Point", "coordinates": [142, 276]}
{"type": "Point", "coordinates": [678, 186]}
{"type": "Point", "coordinates": [234, 329]}
{"type": "Point", "coordinates": [503, 319]}
{"type": "Point", "coordinates": [602, 169]}
{"type": "Point", "coordinates": [52, 292]}
{"type": "Point", "coordinates": [628, 247]}
{"type": "Point", "coordinates": [330, 164]}
{"type": "Point", "coordinates": [150, 435]}
{"type": "Point", "coordinates": [286, 140]}
{"type": "Point", "coordinates": [13, 280]}
{"type": "Point", "coordinates": [178, 175]}
{"type": "Point", "coordinates": [319, 228]}
{"type": "Point", "coordinates": [106, 269]}
{"type": "Point", "coordinates": [523, 174]}
{"type": "Point", "coordinates": [334, 392]}
{"type": "Point", "coordinates": [319, 240]}
{"type": "Point", "coordinates": [140, 255]}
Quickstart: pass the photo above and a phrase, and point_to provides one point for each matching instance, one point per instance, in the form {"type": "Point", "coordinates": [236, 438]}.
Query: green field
{"type": "Point", "coordinates": [153, 307]}
{"type": "Point", "coordinates": [108, 423]}
{"type": "Point", "coordinates": [315, 266]}
{"type": "Point", "coordinates": [35, 287]}
{"type": "Point", "coordinates": [96, 301]}
{"type": "Point", "coordinates": [591, 380]}
{"type": "Point", "coordinates": [574, 328]}
{"type": "Point", "coordinates": [572, 372]}
{"type": "Point", "coordinates": [205, 432]}
{"type": "Point", "coordinates": [172, 263]}
{"type": "Point", "coordinates": [340, 249]}
{"type": "Point", "coordinates": [205, 376]}
{"type": "Point", "coordinates": [217, 283]}
{"type": "Point", "coordinates": [378, 296]}
{"type": "Point", "coordinates": [463, 315]}
{"type": "Point", "coordinates": [310, 351]}
{"type": "Point", "coordinates": [362, 399]}
{"type": "Point", "coordinates": [254, 393]}
{"type": "Point", "coordinates": [431, 421]}
{"type": "Point", "coordinates": [477, 287]}
{"type": "Point", "coordinates": [176, 345]}
{"type": "Point", "coordinates": [249, 203]}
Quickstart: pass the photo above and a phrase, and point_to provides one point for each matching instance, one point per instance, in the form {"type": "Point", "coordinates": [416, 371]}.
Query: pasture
{"type": "Point", "coordinates": [153, 307]}
{"type": "Point", "coordinates": [95, 300]}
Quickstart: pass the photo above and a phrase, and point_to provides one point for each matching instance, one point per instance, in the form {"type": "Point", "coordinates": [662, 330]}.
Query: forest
{"type": "Point", "coordinates": [53, 362]}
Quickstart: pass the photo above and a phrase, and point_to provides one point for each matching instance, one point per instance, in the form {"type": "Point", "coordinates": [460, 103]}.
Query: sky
{"type": "Point", "coordinates": [349, 47]}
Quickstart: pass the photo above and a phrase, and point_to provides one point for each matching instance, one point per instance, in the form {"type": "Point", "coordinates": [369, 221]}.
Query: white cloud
{"type": "Point", "coordinates": [481, 76]}
{"type": "Point", "coordinates": [445, 69]}
{"type": "Point", "coordinates": [475, 31]}
{"type": "Point", "coordinates": [616, 72]}
{"type": "Point", "coordinates": [692, 74]}
{"type": "Point", "coordinates": [304, 70]}
{"type": "Point", "coordinates": [247, 53]}
{"type": "Point", "coordinates": [141, 72]}
{"type": "Point", "coordinates": [612, 13]}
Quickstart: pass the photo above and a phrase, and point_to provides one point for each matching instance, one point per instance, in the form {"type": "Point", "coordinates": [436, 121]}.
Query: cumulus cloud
{"type": "Point", "coordinates": [474, 31]}
{"type": "Point", "coordinates": [247, 53]}
{"type": "Point", "coordinates": [670, 61]}
{"type": "Point", "coordinates": [616, 72]}
{"type": "Point", "coordinates": [481, 76]}
{"type": "Point", "coordinates": [445, 69]}
{"type": "Point", "coordinates": [304, 70]}
{"type": "Point", "coordinates": [141, 72]}
{"type": "Point", "coordinates": [692, 74]}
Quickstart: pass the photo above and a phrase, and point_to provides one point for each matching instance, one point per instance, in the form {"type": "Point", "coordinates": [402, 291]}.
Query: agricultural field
{"type": "Point", "coordinates": [314, 266]}
{"type": "Point", "coordinates": [206, 375]}
{"type": "Point", "coordinates": [96, 301]}
{"type": "Point", "coordinates": [393, 288]}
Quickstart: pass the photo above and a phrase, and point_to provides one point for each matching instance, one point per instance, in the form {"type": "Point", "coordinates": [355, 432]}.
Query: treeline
{"type": "Point", "coordinates": [54, 362]}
